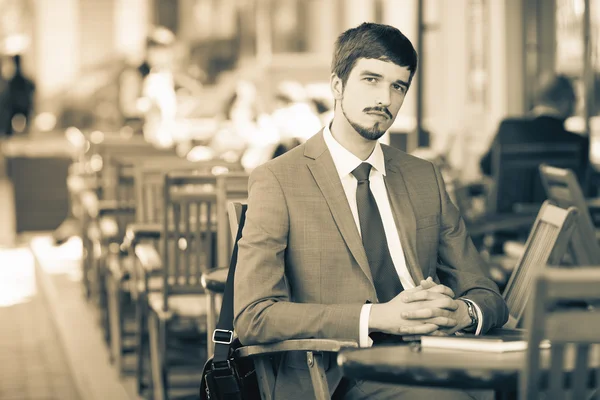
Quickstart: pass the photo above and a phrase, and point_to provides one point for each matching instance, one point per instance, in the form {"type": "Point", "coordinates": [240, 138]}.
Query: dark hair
{"type": "Point", "coordinates": [370, 40]}
{"type": "Point", "coordinates": [555, 89]}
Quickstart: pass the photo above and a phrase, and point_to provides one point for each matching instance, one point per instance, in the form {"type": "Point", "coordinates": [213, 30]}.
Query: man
{"type": "Point", "coordinates": [545, 124]}
{"type": "Point", "coordinates": [21, 91]}
{"type": "Point", "coordinates": [305, 271]}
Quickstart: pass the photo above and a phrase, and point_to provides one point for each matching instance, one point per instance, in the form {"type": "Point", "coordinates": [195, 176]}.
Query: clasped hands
{"type": "Point", "coordinates": [428, 309]}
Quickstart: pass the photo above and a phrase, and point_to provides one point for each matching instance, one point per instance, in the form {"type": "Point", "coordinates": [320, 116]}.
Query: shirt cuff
{"type": "Point", "coordinates": [363, 334]}
{"type": "Point", "coordinates": [479, 315]}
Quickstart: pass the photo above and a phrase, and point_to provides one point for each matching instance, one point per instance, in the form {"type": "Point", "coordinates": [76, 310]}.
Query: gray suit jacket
{"type": "Point", "coordinates": [302, 270]}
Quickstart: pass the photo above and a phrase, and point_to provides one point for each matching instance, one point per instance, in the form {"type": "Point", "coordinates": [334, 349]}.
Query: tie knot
{"type": "Point", "coordinates": [361, 173]}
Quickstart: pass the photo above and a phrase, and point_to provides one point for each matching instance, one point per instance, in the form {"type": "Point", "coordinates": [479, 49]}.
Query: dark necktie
{"type": "Point", "coordinates": [385, 277]}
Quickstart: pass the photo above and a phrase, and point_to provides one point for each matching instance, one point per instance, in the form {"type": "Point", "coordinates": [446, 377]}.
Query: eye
{"type": "Point", "coordinates": [370, 79]}
{"type": "Point", "coordinates": [399, 88]}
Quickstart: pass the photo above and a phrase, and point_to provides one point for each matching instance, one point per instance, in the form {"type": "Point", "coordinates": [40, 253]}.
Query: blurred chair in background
{"type": "Point", "coordinates": [563, 189]}
{"type": "Point", "coordinates": [570, 369]}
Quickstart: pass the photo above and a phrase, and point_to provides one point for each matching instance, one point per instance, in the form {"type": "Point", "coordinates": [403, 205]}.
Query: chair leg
{"type": "Point", "coordinates": [317, 375]}
{"type": "Point", "coordinates": [85, 268]}
{"type": "Point", "coordinates": [115, 320]}
{"type": "Point", "coordinates": [103, 276]}
{"type": "Point", "coordinates": [211, 315]}
{"type": "Point", "coordinates": [157, 332]}
{"type": "Point", "coordinates": [141, 343]}
{"type": "Point", "coordinates": [86, 258]}
{"type": "Point", "coordinates": [265, 376]}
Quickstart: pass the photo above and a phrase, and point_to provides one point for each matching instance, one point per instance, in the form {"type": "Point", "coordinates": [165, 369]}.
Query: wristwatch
{"type": "Point", "coordinates": [472, 314]}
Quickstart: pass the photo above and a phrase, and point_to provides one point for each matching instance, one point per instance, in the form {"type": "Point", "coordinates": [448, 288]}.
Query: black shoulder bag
{"type": "Point", "coordinates": [225, 377]}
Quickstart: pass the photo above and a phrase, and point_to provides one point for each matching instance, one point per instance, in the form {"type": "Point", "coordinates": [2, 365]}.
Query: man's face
{"type": "Point", "coordinates": [373, 95]}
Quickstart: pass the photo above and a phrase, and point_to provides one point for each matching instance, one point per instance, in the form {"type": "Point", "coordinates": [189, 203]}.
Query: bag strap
{"type": "Point", "coordinates": [223, 334]}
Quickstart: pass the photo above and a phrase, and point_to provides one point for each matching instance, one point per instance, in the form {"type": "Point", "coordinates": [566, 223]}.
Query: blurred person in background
{"type": "Point", "coordinates": [545, 123]}
{"type": "Point", "coordinates": [131, 81]}
{"type": "Point", "coordinates": [159, 100]}
{"type": "Point", "coordinates": [5, 127]}
{"type": "Point", "coordinates": [20, 102]}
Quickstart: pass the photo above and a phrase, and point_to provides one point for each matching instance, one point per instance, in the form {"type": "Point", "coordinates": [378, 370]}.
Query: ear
{"type": "Point", "coordinates": [337, 87]}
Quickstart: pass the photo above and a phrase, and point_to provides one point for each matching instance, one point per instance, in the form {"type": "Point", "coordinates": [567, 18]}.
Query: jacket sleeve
{"type": "Point", "coordinates": [262, 307]}
{"type": "Point", "coordinates": [461, 268]}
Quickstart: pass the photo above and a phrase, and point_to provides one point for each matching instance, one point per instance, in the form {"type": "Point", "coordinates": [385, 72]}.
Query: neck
{"type": "Point", "coordinates": [351, 140]}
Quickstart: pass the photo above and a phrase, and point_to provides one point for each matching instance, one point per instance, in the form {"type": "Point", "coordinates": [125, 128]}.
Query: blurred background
{"type": "Point", "coordinates": [92, 61]}
{"type": "Point", "coordinates": [242, 81]}
{"type": "Point", "coordinates": [102, 64]}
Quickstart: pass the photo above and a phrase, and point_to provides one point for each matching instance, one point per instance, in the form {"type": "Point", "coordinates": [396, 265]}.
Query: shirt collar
{"type": "Point", "coordinates": [345, 162]}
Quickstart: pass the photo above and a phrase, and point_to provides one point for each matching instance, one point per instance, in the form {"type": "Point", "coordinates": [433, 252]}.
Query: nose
{"type": "Point", "coordinates": [384, 98]}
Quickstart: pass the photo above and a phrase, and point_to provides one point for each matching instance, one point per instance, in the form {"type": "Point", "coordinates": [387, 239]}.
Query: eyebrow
{"type": "Point", "coordinates": [376, 75]}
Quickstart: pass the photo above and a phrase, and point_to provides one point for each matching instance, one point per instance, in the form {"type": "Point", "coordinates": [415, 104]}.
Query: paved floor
{"type": "Point", "coordinates": [76, 321]}
{"type": "Point", "coordinates": [33, 365]}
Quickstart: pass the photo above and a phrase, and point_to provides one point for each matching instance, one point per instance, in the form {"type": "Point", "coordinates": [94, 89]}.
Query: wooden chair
{"type": "Point", "coordinates": [546, 245]}
{"type": "Point", "coordinates": [108, 218]}
{"type": "Point", "coordinates": [126, 282]}
{"type": "Point", "coordinates": [141, 271]}
{"type": "Point", "coordinates": [144, 237]}
{"type": "Point", "coordinates": [262, 355]}
{"type": "Point", "coordinates": [571, 368]}
{"type": "Point", "coordinates": [188, 249]}
{"type": "Point", "coordinates": [563, 189]}
{"type": "Point", "coordinates": [103, 194]}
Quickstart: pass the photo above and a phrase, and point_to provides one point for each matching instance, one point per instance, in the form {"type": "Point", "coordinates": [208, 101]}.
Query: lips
{"type": "Point", "coordinates": [378, 114]}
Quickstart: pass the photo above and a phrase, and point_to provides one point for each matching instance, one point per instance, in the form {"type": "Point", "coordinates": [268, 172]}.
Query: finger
{"type": "Point", "coordinates": [442, 322]}
{"type": "Point", "coordinates": [442, 289]}
{"type": "Point", "coordinates": [421, 329]}
{"type": "Point", "coordinates": [423, 295]}
{"type": "Point", "coordinates": [445, 303]}
{"type": "Point", "coordinates": [425, 313]}
{"type": "Point", "coordinates": [427, 284]}
{"type": "Point", "coordinates": [439, 332]}
{"type": "Point", "coordinates": [449, 330]}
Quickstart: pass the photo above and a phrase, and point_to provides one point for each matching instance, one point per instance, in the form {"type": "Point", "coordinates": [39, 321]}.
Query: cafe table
{"type": "Point", "coordinates": [408, 364]}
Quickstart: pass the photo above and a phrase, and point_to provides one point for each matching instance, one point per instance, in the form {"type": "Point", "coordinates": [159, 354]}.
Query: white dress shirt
{"type": "Point", "coordinates": [345, 162]}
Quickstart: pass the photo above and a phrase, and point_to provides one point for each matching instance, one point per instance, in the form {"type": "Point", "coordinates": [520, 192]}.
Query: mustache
{"type": "Point", "coordinates": [379, 109]}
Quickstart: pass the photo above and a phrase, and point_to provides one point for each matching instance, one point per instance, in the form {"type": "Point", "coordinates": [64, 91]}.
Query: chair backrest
{"type": "Point", "coordinates": [574, 355]}
{"type": "Point", "coordinates": [546, 245]}
{"type": "Point", "coordinates": [563, 190]}
{"type": "Point", "coordinates": [235, 210]}
{"type": "Point", "coordinates": [232, 187]}
{"type": "Point", "coordinates": [149, 181]}
{"type": "Point", "coordinates": [192, 218]}
{"type": "Point", "coordinates": [516, 176]}
{"type": "Point", "coordinates": [103, 153]}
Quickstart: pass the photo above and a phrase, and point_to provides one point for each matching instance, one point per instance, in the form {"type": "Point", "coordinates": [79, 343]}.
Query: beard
{"type": "Point", "coordinates": [370, 133]}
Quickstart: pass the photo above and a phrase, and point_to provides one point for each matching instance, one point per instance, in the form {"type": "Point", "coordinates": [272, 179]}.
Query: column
{"type": "Point", "coordinates": [56, 42]}
{"type": "Point", "coordinates": [402, 14]}
{"type": "Point", "coordinates": [97, 32]}
{"type": "Point", "coordinates": [358, 11]}
{"type": "Point", "coordinates": [131, 27]}
{"type": "Point", "coordinates": [321, 29]}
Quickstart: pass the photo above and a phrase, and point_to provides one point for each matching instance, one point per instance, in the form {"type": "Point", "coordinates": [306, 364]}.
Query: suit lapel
{"type": "Point", "coordinates": [404, 215]}
{"type": "Point", "coordinates": [328, 180]}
